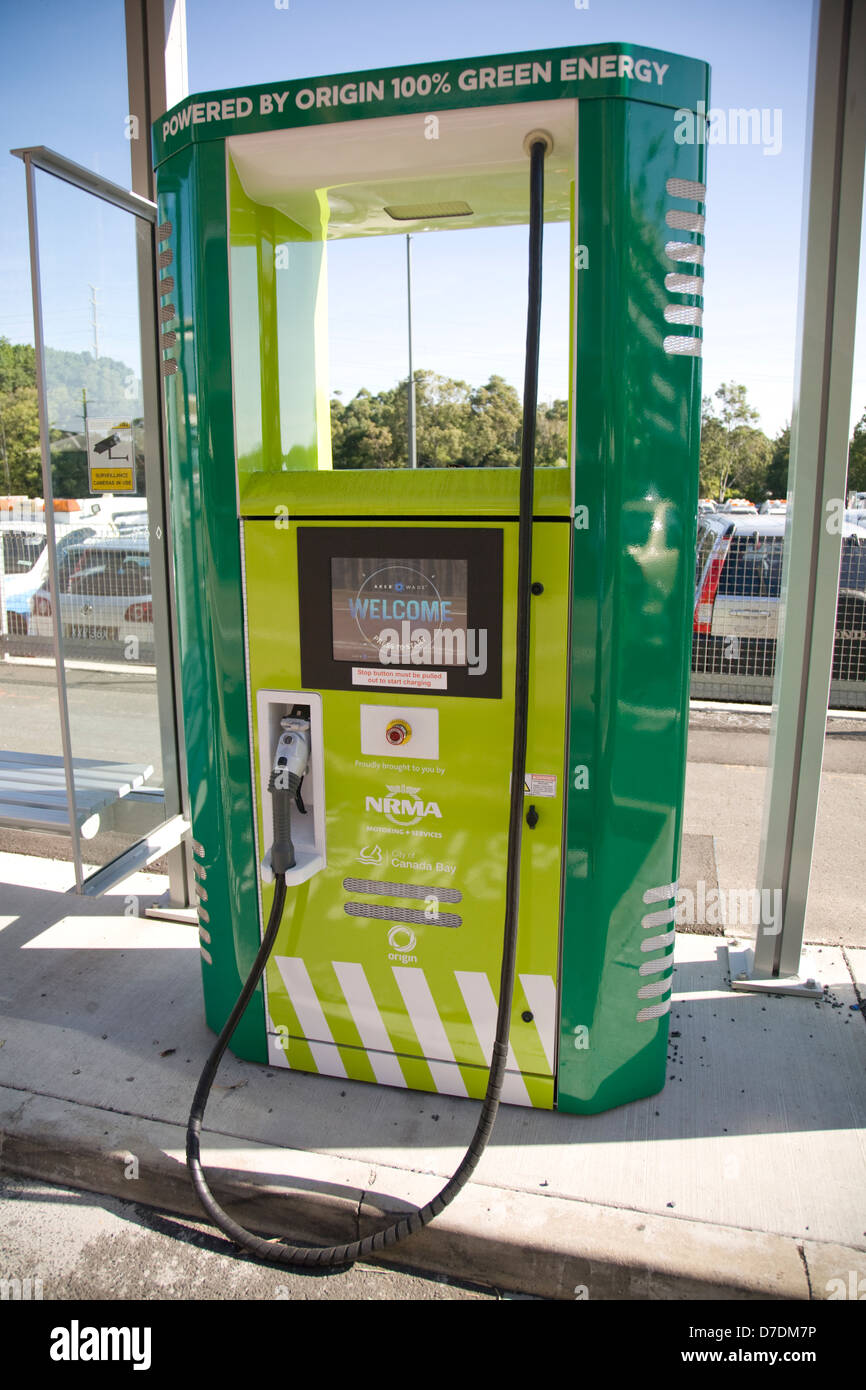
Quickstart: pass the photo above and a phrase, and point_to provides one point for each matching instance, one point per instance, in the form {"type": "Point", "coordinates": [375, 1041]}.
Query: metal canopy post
{"type": "Point", "coordinates": [156, 67]}
{"type": "Point", "coordinates": [48, 494]}
{"type": "Point", "coordinates": [833, 203]}
{"type": "Point", "coordinates": [167, 839]}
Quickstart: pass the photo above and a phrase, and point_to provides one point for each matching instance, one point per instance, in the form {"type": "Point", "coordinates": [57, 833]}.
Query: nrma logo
{"type": "Point", "coordinates": [403, 806]}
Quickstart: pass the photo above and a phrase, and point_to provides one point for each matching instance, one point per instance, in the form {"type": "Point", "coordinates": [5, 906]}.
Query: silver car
{"type": "Point", "coordinates": [104, 594]}
{"type": "Point", "coordinates": [738, 583]}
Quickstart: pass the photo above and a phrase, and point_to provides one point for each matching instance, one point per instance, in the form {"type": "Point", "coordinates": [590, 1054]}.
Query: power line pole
{"type": "Point", "coordinates": [413, 454]}
{"type": "Point", "coordinates": [93, 321]}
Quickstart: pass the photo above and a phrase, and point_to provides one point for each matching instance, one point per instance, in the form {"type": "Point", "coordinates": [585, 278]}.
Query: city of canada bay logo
{"type": "Point", "coordinates": [403, 805]}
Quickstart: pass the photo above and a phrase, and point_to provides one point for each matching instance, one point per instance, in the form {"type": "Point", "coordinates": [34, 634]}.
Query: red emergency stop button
{"type": "Point", "coordinates": [397, 732]}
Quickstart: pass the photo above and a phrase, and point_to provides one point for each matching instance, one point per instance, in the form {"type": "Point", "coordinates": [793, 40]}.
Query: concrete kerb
{"type": "Point", "coordinates": [552, 1247]}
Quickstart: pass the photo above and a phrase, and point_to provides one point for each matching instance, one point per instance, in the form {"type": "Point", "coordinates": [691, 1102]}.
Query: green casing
{"type": "Point", "coordinates": [614, 540]}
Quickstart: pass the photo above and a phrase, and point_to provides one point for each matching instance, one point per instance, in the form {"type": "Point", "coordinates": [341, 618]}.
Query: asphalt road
{"type": "Point", "coordinates": [112, 713]}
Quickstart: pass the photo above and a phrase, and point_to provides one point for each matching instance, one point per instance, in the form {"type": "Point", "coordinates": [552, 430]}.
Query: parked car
{"type": "Point", "coordinates": [104, 589]}
{"type": "Point", "coordinates": [19, 584]}
{"type": "Point", "coordinates": [773, 504]}
{"type": "Point", "coordinates": [739, 505]}
{"type": "Point", "coordinates": [705, 505]}
{"type": "Point", "coordinates": [738, 579]}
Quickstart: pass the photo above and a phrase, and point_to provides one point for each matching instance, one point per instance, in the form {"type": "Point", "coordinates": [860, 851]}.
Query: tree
{"type": "Point", "coordinates": [551, 435]}
{"type": "Point", "coordinates": [857, 457]}
{"type": "Point", "coordinates": [112, 390]}
{"type": "Point", "coordinates": [20, 454]}
{"type": "Point", "coordinates": [493, 434]}
{"type": "Point", "coordinates": [734, 455]}
{"type": "Point", "coordinates": [777, 473]}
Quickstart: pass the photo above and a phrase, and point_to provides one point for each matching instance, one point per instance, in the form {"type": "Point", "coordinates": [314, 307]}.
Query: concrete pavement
{"type": "Point", "coordinates": [745, 1178]}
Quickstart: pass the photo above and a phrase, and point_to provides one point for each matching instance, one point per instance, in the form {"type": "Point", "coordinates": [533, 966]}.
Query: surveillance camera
{"type": "Point", "coordinates": [106, 445]}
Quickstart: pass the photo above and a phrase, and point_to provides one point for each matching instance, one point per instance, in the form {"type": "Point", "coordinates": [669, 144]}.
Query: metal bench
{"type": "Point", "coordinates": [33, 791]}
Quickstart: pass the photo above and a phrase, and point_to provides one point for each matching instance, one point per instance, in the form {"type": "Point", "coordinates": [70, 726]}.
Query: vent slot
{"type": "Point", "coordinates": [417, 916]}
{"type": "Point", "coordinates": [683, 347]}
{"type": "Point", "coordinates": [655, 1011]}
{"type": "Point", "coordinates": [400, 890]}
{"type": "Point", "coordinates": [685, 251]}
{"type": "Point", "coordinates": [687, 188]}
{"type": "Point", "coordinates": [686, 221]}
{"type": "Point", "coordinates": [684, 284]}
{"type": "Point", "coordinates": [684, 313]}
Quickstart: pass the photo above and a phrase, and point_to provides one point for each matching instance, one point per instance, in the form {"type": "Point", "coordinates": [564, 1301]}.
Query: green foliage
{"type": "Point", "coordinates": [857, 457]}
{"type": "Point", "coordinates": [20, 454]}
{"type": "Point", "coordinates": [111, 390]}
{"type": "Point", "coordinates": [456, 425]}
{"type": "Point", "coordinates": [735, 457]}
{"type": "Point", "coordinates": [777, 473]}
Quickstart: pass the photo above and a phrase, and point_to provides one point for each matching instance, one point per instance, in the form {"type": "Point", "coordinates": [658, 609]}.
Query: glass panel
{"type": "Point", "coordinates": [103, 603]}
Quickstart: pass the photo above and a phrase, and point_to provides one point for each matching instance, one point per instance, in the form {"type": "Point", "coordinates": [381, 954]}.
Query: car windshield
{"type": "Point", "coordinates": [21, 550]}
{"type": "Point", "coordinates": [753, 568]}
{"type": "Point", "coordinates": [852, 572]}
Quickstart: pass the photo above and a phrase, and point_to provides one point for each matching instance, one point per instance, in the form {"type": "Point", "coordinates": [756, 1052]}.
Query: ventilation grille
{"type": "Point", "coordinates": [684, 284]}
{"type": "Point", "coordinates": [658, 917]}
{"type": "Point", "coordinates": [400, 890]}
{"type": "Point", "coordinates": [165, 286]}
{"type": "Point", "coordinates": [686, 221]}
{"type": "Point", "coordinates": [688, 253]}
{"type": "Point", "coordinates": [683, 347]}
{"type": "Point", "coordinates": [685, 251]}
{"type": "Point", "coordinates": [417, 916]}
{"type": "Point", "coordinates": [687, 188]}
{"type": "Point", "coordinates": [684, 313]}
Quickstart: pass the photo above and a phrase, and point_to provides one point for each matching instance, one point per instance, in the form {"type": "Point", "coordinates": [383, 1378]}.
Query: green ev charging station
{"type": "Point", "coordinates": [376, 610]}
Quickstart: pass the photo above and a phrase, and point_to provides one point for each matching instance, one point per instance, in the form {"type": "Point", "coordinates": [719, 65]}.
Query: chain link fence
{"type": "Point", "coordinates": [738, 583]}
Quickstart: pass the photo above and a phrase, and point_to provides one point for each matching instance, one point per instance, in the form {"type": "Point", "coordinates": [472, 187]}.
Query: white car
{"type": "Point", "coordinates": [104, 594]}
{"type": "Point", "coordinates": [23, 579]}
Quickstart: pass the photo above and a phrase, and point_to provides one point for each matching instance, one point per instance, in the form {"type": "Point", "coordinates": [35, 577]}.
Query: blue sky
{"type": "Point", "coordinates": [62, 72]}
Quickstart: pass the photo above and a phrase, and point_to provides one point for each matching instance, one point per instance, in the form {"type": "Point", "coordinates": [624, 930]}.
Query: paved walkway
{"type": "Point", "coordinates": [746, 1177]}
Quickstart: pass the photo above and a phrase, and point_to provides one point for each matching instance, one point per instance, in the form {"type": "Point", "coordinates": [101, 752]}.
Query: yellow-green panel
{"type": "Point", "coordinates": [435, 999]}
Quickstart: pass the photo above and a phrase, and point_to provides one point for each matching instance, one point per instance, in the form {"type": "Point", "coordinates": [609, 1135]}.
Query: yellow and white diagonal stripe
{"type": "Point", "coordinates": [446, 1058]}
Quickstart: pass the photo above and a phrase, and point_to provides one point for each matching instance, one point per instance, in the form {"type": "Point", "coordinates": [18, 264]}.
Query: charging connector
{"type": "Point", "coordinates": [291, 760]}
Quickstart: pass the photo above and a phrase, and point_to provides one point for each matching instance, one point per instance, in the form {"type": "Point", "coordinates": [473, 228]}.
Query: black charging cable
{"type": "Point", "coordinates": [333, 1255]}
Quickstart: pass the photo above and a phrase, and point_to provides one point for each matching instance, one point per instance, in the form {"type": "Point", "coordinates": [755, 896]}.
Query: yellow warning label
{"type": "Point", "coordinates": [112, 480]}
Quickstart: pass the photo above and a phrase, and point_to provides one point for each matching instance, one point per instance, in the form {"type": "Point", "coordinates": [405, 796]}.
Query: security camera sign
{"type": "Point", "coordinates": [110, 457]}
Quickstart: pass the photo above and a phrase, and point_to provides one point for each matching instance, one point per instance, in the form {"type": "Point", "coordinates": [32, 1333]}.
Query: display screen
{"type": "Point", "coordinates": [399, 612]}
{"type": "Point", "coordinates": [401, 608]}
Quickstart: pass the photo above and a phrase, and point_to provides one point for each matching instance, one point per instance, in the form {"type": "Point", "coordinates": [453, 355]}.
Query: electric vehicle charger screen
{"type": "Point", "coordinates": [401, 612]}
{"type": "Point", "coordinates": [401, 609]}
